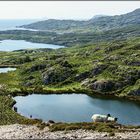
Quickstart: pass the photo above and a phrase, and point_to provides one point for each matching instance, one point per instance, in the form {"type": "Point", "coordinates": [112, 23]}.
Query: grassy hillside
{"type": "Point", "coordinates": [100, 61]}
{"type": "Point", "coordinates": [106, 68]}
{"type": "Point", "coordinates": [70, 33]}
{"type": "Point", "coordinates": [72, 39]}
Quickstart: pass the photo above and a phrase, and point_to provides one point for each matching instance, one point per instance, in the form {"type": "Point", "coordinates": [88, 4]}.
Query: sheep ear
{"type": "Point", "coordinates": [108, 115]}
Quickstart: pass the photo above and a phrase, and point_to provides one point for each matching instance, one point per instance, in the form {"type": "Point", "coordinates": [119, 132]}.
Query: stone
{"type": "Point", "coordinates": [55, 75]}
{"type": "Point", "coordinates": [82, 76]}
{"type": "Point", "coordinates": [102, 85]}
{"type": "Point", "coordinates": [98, 69]}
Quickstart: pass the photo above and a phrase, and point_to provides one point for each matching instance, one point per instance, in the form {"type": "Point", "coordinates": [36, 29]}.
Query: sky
{"type": "Point", "coordinates": [64, 9]}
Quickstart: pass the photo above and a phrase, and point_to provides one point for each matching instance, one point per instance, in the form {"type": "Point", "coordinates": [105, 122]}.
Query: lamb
{"type": "Point", "coordinates": [103, 118]}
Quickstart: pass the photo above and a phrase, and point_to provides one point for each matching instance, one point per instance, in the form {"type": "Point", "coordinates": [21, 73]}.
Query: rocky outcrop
{"type": "Point", "coordinates": [37, 67]}
{"type": "Point", "coordinates": [98, 69]}
{"type": "Point", "coordinates": [134, 63]}
{"type": "Point", "coordinates": [134, 92]}
{"type": "Point", "coordinates": [129, 77]}
{"type": "Point", "coordinates": [102, 85]}
{"type": "Point", "coordinates": [54, 75]}
{"type": "Point", "coordinates": [82, 76]}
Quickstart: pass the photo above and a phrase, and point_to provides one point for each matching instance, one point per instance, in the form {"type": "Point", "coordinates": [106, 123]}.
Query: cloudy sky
{"type": "Point", "coordinates": [64, 10]}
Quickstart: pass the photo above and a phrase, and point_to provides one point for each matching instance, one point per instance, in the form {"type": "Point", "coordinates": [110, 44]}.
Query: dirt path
{"type": "Point", "coordinates": [17, 131]}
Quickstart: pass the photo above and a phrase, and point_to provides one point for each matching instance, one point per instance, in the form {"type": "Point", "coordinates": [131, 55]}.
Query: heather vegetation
{"type": "Point", "coordinates": [105, 67]}
{"type": "Point", "coordinates": [102, 62]}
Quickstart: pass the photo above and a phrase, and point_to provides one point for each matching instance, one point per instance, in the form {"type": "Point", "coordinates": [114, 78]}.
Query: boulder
{"type": "Point", "coordinates": [51, 121]}
{"type": "Point", "coordinates": [103, 85]}
{"type": "Point", "coordinates": [98, 69]}
{"type": "Point", "coordinates": [82, 76]}
{"type": "Point", "coordinates": [88, 74]}
{"type": "Point", "coordinates": [54, 75]}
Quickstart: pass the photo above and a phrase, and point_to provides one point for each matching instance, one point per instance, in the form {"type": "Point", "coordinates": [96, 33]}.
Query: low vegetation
{"type": "Point", "coordinates": [9, 116]}
{"type": "Point", "coordinates": [111, 128]}
{"type": "Point", "coordinates": [108, 68]}
{"type": "Point", "coordinates": [96, 63]}
{"type": "Point", "coordinates": [101, 127]}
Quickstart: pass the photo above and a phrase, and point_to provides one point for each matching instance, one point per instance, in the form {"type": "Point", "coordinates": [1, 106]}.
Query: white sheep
{"type": "Point", "coordinates": [103, 118]}
{"type": "Point", "coordinates": [100, 118]}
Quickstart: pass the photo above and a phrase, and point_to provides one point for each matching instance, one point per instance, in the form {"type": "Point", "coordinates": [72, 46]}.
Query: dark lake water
{"type": "Point", "coordinates": [11, 45]}
{"type": "Point", "coordinates": [76, 108]}
{"type": "Point", "coordinates": [5, 70]}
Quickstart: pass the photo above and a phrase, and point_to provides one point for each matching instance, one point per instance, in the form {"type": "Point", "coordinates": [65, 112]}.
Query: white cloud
{"type": "Point", "coordinates": [64, 10]}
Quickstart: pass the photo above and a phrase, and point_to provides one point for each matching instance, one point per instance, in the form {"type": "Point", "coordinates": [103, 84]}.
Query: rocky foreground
{"type": "Point", "coordinates": [17, 131]}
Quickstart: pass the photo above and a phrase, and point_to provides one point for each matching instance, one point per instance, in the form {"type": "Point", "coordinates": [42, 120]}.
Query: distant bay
{"type": "Point", "coordinates": [12, 45]}
{"type": "Point", "coordinates": [11, 24]}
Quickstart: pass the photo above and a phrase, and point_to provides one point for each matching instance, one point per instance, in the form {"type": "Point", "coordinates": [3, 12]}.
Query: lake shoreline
{"type": "Point", "coordinates": [97, 97]}
{"type": "Point", "coordinates": [77, 91]}
{"type": "Point", "coordinates": [25, 45]}
{"type": "Point", "coordinates": [46, 91]}
{"type": "Point", "coordinates": [9, 66]}
{"type": "Point", "coordinates": [86, 91]}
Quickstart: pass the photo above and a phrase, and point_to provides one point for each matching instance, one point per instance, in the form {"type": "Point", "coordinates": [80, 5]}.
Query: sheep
{"type": "Point", "coordinates": [103, 118]}
{"type": "Point", "coordinates": [100, 118]}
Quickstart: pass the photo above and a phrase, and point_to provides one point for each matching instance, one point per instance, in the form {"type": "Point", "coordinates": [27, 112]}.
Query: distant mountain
{"type": "Point", "coordinates": [98, 16]}
{"type": "Point", "coordinates": [109, 22]}
{"type": "Point", "coordinates": [97, 23]}
{"type": "Point", "coordinates": [54, 25]}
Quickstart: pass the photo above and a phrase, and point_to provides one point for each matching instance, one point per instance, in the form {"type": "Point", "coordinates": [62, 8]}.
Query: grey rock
{"type": "Point", "coordinates": [103, 85]}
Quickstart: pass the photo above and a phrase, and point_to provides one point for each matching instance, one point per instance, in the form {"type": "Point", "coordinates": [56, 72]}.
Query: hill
{"type": "Point", "coordinates": [103, 59]}
{"type": "Point", "coordinates": [100, 23]}
{"type": "Point", "coordinates": [105, 68]}
{"type": "Point", "coordinates": [72, 39]}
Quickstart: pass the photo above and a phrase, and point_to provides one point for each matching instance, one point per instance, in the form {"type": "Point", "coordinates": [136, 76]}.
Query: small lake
{"type": "Point", "coordinates": [5, 70]}
{"type": "Point", "coordinates": [76, 108]}
{"type": "Point", "coordinates": [11, 45]}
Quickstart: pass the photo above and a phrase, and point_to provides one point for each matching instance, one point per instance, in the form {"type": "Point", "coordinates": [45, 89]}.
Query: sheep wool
{"type": "Point", "coordinates": [99, 118]}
